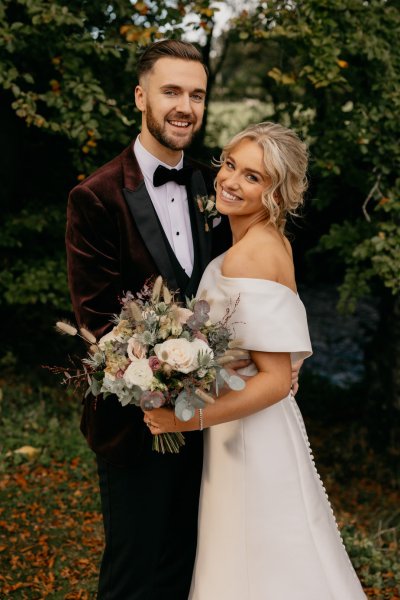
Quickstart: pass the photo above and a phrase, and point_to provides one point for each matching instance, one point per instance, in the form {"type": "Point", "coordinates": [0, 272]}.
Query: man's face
{"type": "Point", "coordinates": [171, 98]}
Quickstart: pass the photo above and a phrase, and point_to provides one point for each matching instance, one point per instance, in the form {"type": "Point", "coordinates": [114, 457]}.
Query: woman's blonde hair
{"type": "Point", "coordinates": [285, 161]}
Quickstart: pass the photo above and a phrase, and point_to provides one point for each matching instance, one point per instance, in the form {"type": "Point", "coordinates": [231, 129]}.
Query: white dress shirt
{"type": "Point", "coordinates": [171, 205]}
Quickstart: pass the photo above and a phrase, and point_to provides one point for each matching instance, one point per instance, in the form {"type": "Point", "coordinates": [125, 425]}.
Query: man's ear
{"type": "Point", "coordinates": [140, 98]}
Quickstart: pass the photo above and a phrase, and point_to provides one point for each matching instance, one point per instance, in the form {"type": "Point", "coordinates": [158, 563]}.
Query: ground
{"type": "Point", "coordinates": [50, 524]}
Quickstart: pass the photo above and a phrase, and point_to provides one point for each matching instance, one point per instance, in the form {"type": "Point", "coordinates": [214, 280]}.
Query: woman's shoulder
{"type": "Point", "coordinates": [262, 254]}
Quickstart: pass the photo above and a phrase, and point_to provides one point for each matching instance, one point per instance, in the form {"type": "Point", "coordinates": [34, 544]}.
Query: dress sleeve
{"type": "Point", "coordinates": [269, 317]}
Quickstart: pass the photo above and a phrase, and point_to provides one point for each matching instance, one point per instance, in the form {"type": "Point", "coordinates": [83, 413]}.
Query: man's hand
{"type": "Point", "coordinates": [295, 375]}
{"type": "Point", "coordinates": [239, 359]}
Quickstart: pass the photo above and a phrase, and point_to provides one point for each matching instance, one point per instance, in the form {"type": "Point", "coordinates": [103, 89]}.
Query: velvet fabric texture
{"type": "Point", "coordinates": [114, 244]}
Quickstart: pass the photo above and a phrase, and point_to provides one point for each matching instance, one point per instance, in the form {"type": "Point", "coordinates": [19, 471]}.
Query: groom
{"type": "Point", "coordinates": [134, 218]}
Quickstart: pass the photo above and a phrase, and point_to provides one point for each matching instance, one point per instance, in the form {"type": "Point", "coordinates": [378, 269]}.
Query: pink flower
{"type": "Point", "coordinates": [150, 400]}
{"type": "Point", "coordinates": [119, 374]}
{"type": "Point", "coordinates": [154, 363]}
{"type": "Point", "coordinates": [200, 336]}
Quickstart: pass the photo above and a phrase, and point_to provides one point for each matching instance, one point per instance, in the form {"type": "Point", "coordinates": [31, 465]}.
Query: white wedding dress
{"type": "Point", "coordinates": [266, 528]}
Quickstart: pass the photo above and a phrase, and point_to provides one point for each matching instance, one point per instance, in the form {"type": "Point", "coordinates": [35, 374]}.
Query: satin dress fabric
{"type": "Point", "coordinates": [266, 527]}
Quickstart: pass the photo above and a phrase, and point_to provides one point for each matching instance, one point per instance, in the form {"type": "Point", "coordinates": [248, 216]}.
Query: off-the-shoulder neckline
{"type": "Point", "coordinates": [269, 281]}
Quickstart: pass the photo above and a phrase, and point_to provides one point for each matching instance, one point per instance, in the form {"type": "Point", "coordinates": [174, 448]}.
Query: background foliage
{"type": "Point", "coordinates": [330, 69]}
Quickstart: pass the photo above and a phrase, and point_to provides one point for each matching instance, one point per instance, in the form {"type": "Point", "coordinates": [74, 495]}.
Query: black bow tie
{"type": "Point", "coordinates": [163, 175]}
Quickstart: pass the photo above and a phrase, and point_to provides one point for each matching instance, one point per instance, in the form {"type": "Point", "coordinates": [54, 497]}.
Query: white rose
{"type": "Point", "coordinates": [135, 349]}
{"type": "Point", "coordinates": [139, 373]}
{"type": "Point", "coordinates": [178, 353]}
{"type": "Point", "coordinates": [181, 354]}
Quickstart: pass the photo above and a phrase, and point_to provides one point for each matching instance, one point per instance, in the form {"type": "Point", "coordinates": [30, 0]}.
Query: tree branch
{"type": "Point", "coordinates": [372, 191]}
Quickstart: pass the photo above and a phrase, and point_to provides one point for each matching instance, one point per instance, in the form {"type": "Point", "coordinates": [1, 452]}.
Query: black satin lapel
{"type": "Point", "coordinates": [149, 227]}
{"type": "Point", "coordinates": [198, 188]}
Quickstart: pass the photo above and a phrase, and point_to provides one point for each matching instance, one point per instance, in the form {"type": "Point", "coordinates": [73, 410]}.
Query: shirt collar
{"type": "Point", "coordinates": [149, 163]}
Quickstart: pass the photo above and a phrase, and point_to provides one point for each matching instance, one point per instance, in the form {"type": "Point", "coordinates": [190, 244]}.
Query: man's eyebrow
{"type": "Point", "coordinates": [173, 86]}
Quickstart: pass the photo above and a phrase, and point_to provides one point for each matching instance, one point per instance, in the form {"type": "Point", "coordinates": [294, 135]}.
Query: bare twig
{"type": "Point", "coordinates": [372, 191]}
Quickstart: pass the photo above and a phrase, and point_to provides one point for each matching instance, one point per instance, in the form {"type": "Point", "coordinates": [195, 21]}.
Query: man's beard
{"type": "Point", "coordinates": [157, 131]}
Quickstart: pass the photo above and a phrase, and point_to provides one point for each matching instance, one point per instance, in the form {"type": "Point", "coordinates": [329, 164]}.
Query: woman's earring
{"type": "Point", "coordinates": [215, 184]}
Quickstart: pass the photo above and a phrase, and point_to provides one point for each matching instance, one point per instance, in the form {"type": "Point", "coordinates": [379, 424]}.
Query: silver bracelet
{"type": "Point", "coordinates": [201, 422]}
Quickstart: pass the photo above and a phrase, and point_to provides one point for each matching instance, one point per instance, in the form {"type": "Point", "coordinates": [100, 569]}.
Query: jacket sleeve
{"type": "Point", "coordinates": [92, 245]}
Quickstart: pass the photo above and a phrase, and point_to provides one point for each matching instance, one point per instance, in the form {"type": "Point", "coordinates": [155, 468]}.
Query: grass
{"type": "Point", "coordinates": [50, 523]}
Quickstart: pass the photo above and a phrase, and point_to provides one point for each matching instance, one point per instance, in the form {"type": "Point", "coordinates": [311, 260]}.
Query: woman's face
{"type": "Point", "coordinates": [241, 181]}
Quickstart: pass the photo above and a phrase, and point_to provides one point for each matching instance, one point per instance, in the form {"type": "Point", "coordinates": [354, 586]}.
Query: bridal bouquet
{"type": "Point", "coordinates": [158, 353]}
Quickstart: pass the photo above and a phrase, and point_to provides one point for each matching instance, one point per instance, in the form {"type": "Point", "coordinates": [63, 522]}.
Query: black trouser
{"type": "Point", "coordinates": [150, 523]}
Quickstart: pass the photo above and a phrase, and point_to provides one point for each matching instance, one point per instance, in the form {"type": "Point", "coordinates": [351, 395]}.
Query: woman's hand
{"type": "Point", "coordinates": [164, 420]}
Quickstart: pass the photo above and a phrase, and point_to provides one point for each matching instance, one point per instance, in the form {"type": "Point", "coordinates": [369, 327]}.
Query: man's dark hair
{"type": "Point", "coordinates": [167, 49]}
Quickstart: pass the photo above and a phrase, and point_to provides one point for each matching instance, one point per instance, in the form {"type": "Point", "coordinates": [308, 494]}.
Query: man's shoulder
{"type": "Point", "coordinates": [109, 176]}
{"type": "Point", "coordinates": [208, 172]}
{"type": "Point", "coordinates": [198, 165]}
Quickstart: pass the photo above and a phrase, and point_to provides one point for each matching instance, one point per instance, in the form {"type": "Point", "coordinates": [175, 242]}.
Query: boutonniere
{"type": "Point", "coordinates": [207, 206]}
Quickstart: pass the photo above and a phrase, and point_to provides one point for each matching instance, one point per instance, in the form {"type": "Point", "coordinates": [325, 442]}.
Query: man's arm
{"type": "Point", "coordinates": [92, 245]}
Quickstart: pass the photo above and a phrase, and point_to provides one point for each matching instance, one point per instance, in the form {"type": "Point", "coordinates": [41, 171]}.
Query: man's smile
{"type": "Point", "coordinates": [181, 124]}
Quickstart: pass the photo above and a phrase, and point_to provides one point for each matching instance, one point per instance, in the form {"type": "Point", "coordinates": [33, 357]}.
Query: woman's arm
{"type": "Point", "coordinates": [270, 385]}
{"type": "Point", "coordinates": [274, 378]}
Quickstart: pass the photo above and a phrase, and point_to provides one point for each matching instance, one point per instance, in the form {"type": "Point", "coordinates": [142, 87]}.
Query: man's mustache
{"type": "Point", "coordinates": [182, 117]}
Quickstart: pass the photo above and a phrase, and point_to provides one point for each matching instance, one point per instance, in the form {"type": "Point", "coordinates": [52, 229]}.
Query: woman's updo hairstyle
{"type": "Point", "coordinates": [285, 161]}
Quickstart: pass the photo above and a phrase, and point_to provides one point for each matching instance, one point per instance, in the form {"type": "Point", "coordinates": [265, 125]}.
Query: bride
{"type": "Point", "coordinates": [266, 528]}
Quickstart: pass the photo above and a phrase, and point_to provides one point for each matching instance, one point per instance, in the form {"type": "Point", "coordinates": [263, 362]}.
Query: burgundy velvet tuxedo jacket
{"type": "Point", "coordinates": [114, 243]}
